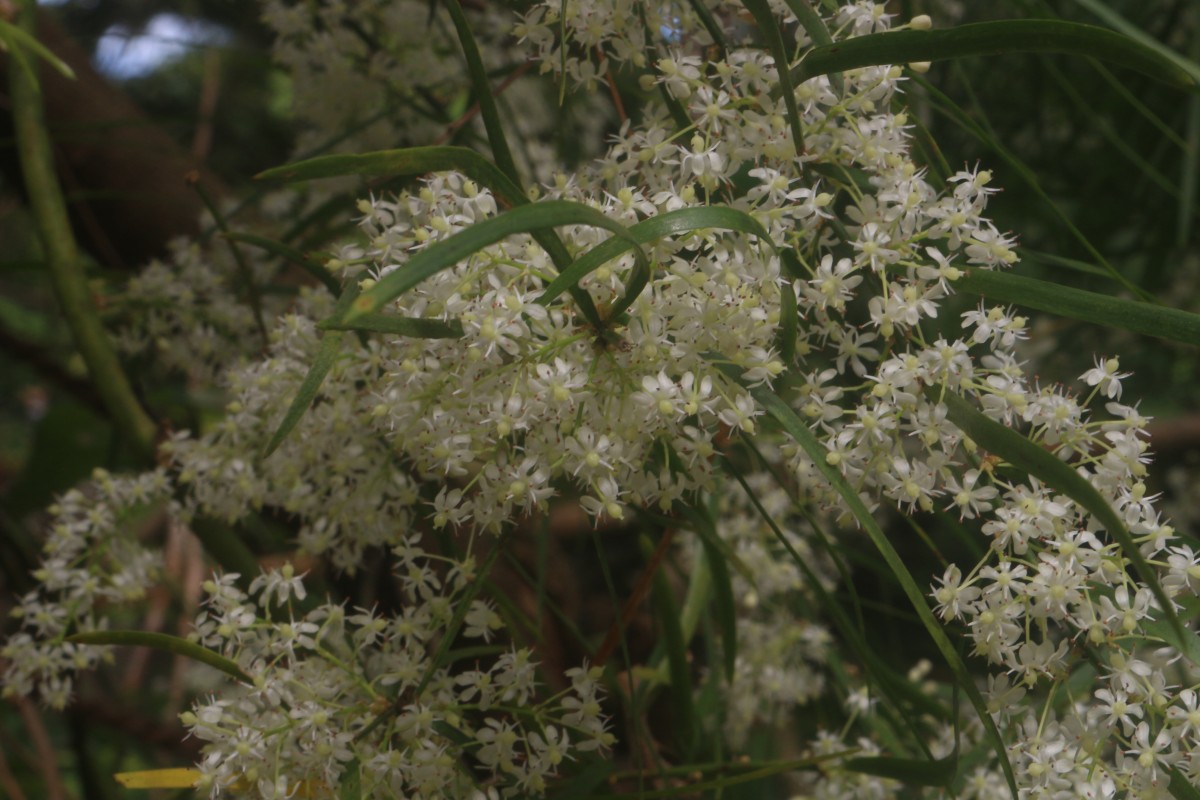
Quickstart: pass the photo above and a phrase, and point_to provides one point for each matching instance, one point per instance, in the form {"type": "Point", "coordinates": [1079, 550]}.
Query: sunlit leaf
{"type": "Point", "coordinates": [170, 778]}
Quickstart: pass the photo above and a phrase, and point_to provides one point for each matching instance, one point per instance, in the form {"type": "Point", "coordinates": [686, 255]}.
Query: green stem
{"type": "Point", "coordinates": [62, 255]}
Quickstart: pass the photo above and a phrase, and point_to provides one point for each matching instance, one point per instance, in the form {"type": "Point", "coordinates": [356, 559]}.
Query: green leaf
{"type": "Point", "coordinates": [795, 427]}
{"type": "Point", "coordinates": [166, 643]}
{"type": "Point", "coordinates": [447, 253]}
{"type": "Point", "coordinates": [1127, 28]}
{"type": "Point", "coordinates": [17, 39]}
{"type": "Point", "coordinates": [290, 254]}
{"type": "Point", "coordinates": [483, 92]}
{"type": "Point", "coordinates": [404, 326]}
{"type": "Point", "coordinates": [968, 123]}
{"type": "Point", "coordinates": [672, 223]}
{"type": "Point", "coordinates": [223, 544]}
{"type": "Point", "coordinates": [768, 24]}
{"type": "Point", "coordinates": [914, 772]}
{"type": "Point", "coordinates": [667, 612]}
{"type": "Point", "coordinates": [350, 785]}
{"type": "Point", "coordinates": [1180, 787]}
{"type": "Point", "coordinates": [422, 160]}
{"type": "Point", "coordinates": [1065, 301]}
{"type": "Point", "coordinates": [327, 353]}
{"type": "Point", "coordinates": [789, 323]}
{"type": "Point", "coordinates": [754, 772]}
{"type": "Point", "coordinates": [1033, 460]}
{"type": "Point", "coordinates": [583, 784]}
{"type": "Point", "coordinates": [814, 26]}
{"type": "Point", "coordinates": [715, 549]}
{"type": "Point", "coordinates": [992, 38]}
{"type": "Point", "coordinates": [406, 162]}
{"type": "Point", "coordinates": [1160, 628]}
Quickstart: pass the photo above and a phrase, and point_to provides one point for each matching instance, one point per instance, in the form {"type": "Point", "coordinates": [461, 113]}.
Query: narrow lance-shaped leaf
{"type": "Point", "coordinates": [17, 39]}
{"type": "Point", "coordinates": [408, 161]}
{"type": "Point", "coordinates": [667, 613]}
{"type": "Point", "coordinates": [789, 322]}
{"type": "Point", "coordinates": [912, 771]}
{"type": "Point", "coordinates": [768, 25]}
{"type": "Point", "coordinates": [672, 223]}
{"type": "Point", "coordinates": [165, 642]}
{"type": "Point", "coordinates": [447, 253]}
{"type": "Point", "coordinates": [798, 430]}
{"type": "Point", "coordinates": [291, 254]}
{"type": "Point", "coordinates": [483, 91]}
{"type": "Point", "coordinates": [1116, 21]}
{"type": "Point", "coordinates": [327, 353]}
{"type": "Point", "coordinates": [1033, 460]}
{"type": "Point", "coordinates": [991, 38]}
{"type": "Point", "coordinates": [1180, 787]}
{"type": "Point", "coordinates": [1065, 301]}
{"type": "Point", "coordinates": [815, 27]}
{"type": "Point", "coordinates": [421, 160]}
{"type": "Point", "coordinates": [717, 552]}
{"type": "Point", "coordinates": [416, 327]}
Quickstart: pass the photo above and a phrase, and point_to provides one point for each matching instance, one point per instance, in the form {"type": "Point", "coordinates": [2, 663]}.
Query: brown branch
{"type": "Point", "coordinates": [40, 740]}
{"type": "Point", "coordinates": [635, 599]}
{"type": "Point", "coordinates": [130, 170]}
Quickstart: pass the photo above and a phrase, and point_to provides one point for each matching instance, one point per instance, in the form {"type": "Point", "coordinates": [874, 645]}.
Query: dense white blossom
{"type": "Point", "coordinates": [533, 402]}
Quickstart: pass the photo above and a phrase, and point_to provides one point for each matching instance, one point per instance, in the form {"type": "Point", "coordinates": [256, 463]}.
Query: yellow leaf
{"type": "Point", "coordinates": [173, 778]}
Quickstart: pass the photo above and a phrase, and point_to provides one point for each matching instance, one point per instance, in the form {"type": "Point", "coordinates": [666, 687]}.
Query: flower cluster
{"type": "Point", "coordinates": [334, 474]}
{"type": "Point", "coordinates": [780, 657]}
{"type": "Point", "coordinates": [92, 561]}
{"type": "Point", "coordinates": [842, 304]}
{"type": "Point", "coordinates": [188, 314]}
{"type": "Point", "coordinates": [332, 690]}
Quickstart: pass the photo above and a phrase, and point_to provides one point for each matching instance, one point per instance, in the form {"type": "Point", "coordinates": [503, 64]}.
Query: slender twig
{"type": "Point", "coordinates": [8, 781]}
{"type": "Point", "coordinates": [612, 85]}
{"type": "Point", "coordinates": [62, 255]}
{"type": "Point", "coordinates": [634, 600]}
{"type": "Point", "coordinates": [47, 758]}
{"type": "Point", "coordinates": [473, 111]}
{"type": "Point", "coordinates": [253, 294]}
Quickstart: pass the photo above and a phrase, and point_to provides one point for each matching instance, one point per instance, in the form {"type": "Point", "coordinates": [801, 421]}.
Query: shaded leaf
{"type": "Point", "coordinates": [290, 254]}
{"type": "Point", "coordinates": [166, 643]}
{"type": "Point", "coordinates": [1099, 309]}
{"type": "Point", "coordinates": [1033, 460]}
{"type": "Point", "coordinates": [327, 353]}
{"type": "Point", "coordinates": [672, 223]}
{"type": "Point", "coordinates": [914, 772]}
{"type": "Point", "coordinates": [408, 161]}
{"type": "Point", "coordinates": [483, 92]}
{"type": "Point", "coordinates": [768, 24]}
{"type": "Point", "coordinates": [795, 427]}
{"type": "Point", "coordinates": [992, 38]}
{"type": "Point", "coordinates": [18, 40]}
{"type": "Point", "coordinates": [404, 326]}
{"type": "Point", "coordinates": [447, 253]}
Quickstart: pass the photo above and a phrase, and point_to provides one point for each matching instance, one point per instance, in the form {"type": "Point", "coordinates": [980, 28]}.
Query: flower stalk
{"type": "Point", "coordinates": [62, 255]}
